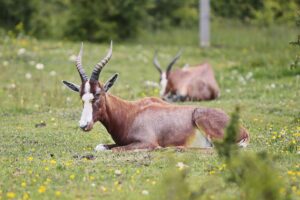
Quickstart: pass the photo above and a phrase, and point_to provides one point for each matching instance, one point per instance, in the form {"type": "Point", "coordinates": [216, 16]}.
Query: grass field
{"type": "Point", "coordinates": [48, 162]}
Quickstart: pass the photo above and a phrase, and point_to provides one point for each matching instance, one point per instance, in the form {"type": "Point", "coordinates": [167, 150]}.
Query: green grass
{"type": "Point", "coordinates": [252, 68]}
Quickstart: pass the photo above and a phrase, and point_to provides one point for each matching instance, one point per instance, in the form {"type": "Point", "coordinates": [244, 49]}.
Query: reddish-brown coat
{"type": "Point", "coordinates": [195, 83]}
{"type": "Point", "coordinates": [151, 123]}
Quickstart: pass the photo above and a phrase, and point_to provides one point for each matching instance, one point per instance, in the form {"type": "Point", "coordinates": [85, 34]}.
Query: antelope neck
{"type": "Point", "coordinates": [116, 117]}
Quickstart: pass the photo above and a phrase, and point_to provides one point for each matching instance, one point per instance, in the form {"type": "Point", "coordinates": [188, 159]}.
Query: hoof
{"type": "Point", "coordinates": [101, 147]}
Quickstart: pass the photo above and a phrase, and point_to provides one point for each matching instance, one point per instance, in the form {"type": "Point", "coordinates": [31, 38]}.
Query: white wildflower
{"type": "Point", "coordinates": [5, 63]}
{"type": "Point", "coordinates": [12, 86]}
{"type": "Point", "coordinates": [151, 84]}
{"type": "Point", "coordinates": [21, 51]}
{"type": "Point", "coordinates": [145, 192]}
{"type": "Point", "coordinates": [72, 58]}
{"type": "Point", "coordinates": [181, 165]}
{"type": "Point", "coordinates": [28, 76]}
{"type": "Point", "coordinates": [242, 80]}
{"type": "Point", "coordinates": [53, 73]}
{"type": "Point", "coordinates": [68, 99]}
{"type": "Point", "coordinates": [249, 75]}
{"type": "Point", "coordinates": [118, 172]}
{"type": "Point", "coordinates": [39, 66]}
{"type": "Point", "coordinates": [32, 62]}
{"type": "Point", "coordinates": [273, 85]}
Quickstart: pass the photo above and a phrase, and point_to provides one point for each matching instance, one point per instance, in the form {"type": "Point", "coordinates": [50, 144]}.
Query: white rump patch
{"type": "Point", "coordinates": [87, 113]}
{"type": "Point", "coordinates": [200, 141]}
{"type": "Point", "coordinates": [163, 83]}
{"type": "Point", "coordinates": [101, 147]}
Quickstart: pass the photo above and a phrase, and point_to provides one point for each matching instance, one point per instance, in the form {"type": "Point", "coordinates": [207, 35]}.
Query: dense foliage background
{"type": "Point", "coordinates": [96, 20]}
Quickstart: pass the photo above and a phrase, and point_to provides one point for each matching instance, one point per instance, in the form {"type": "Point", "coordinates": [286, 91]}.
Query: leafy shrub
{"type": "Point", "coordinates": [240, 9]}
{"type": "Point", "coordinates": [253, 173]}
{"type": "Point", "coordinates": [12, 12]}
{"type": "Point", "coordinates": [108, 19]}
{"type": "Point", "coordinates": [259, 12]}
{"type": "Point", "coordinates": [97, 20]}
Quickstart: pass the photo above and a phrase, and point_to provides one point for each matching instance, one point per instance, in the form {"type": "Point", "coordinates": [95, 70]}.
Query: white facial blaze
{"type": "Point", "coordinates": [163, 84]}
{"type": "Point", "coordinates": [87, 113]}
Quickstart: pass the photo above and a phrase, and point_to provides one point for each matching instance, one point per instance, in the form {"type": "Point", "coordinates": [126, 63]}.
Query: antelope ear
{"type": "Point", "coordinates": [110, 82]}
{"type": "Point", "coordinates": [71, 86]}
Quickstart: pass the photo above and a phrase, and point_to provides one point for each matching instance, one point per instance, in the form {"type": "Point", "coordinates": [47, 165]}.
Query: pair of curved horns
{"type": "Point", "coordinates": [98, 67]}
{"type": "Point", "coordinates": [170, 65]}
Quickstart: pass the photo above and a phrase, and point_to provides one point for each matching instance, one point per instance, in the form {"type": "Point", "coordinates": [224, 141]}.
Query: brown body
{"type": "Point", "coordinates": [193, 83]}
{"type": "Point", "coordinates": [148, 123]}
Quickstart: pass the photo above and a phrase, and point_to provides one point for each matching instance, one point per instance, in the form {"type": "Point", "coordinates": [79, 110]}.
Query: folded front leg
{"type": "Point", "coordinates": [134, 146]}
{"type": "Point", "coordinates": [104, 147]}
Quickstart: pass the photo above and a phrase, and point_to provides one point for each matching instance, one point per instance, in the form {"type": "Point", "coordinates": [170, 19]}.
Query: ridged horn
{"type": "Point", "coordinates": [98, 67]}
{"type": "Point", "coordinates": [174, 61]}
{"type": "Point", "coordinates": [156, 63]}
{"type": "Point", "coordinates": [79, 67]}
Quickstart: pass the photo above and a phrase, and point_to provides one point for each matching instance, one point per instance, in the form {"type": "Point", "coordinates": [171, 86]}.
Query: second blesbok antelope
{"type": "Point", "coordinates": [148, 123]}
{"type": "Point", "coordinates": [195, 83]}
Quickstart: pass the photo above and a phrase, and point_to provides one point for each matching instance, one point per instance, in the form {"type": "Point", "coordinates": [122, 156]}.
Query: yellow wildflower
{"type": "Point", "coordinates": [212, 172]}
{"type": "Point", "coordinates": [23, 184]}
{"type": "Point", "coordinates": [291, 173]}
{"type": "Point", "coordinates": [25, 196]}
{"type": "Point", "coordinates": [116, 183]}
{"type": "Point", "coordinates": [53, 162]}
{"type": "Point", "coordinates": [30, 158]}
{"type": "Point", "coordinates": [42, 189]}
{"type": "Point", "coordinates": [68, 163]}
{"type": "Point", "coordinates": [10, 195]}
{"type": "Point", "coordinates": [57, 193]}
{"type": "Point", "coordinates": [282, 190]}
{"type": "Point", "coordinates": [104, 189]}
{"type": "Point", "coordinates": [72, 176]}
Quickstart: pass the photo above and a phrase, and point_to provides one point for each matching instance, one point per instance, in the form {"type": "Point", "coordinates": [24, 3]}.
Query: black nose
{"type": "Point", "coordinates": [83, 127]}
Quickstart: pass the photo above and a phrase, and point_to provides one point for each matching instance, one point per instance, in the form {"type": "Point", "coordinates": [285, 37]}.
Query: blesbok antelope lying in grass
{"type": "Point", "coordinates": [188, 84]}
{"type": "Point", "coordinates": [148, 123]}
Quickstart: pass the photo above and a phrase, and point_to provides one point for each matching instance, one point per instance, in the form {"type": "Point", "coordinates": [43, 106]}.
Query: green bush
{"type": "Point", "coordinates": [96, 20]}
{"type": "Point", "coordinates": [238, 9]}
{"type": "Point", "coordinates": [109, 19]}
{"type": "Point", "coordinates": [261, 12]}
{"type": "Point", "coordinates": [12, 12]}
{"type": "Point", "coordinates": [49, 18]}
